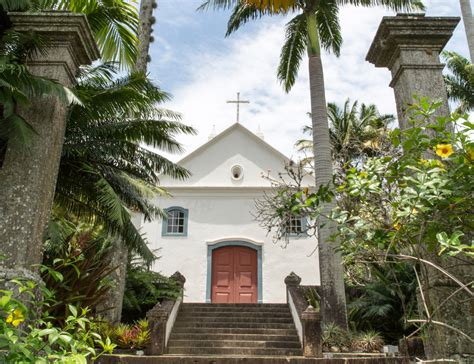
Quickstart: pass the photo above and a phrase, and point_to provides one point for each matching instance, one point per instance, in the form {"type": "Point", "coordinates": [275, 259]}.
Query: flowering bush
{"type": "Point", "coordinates": [27, 334]}
{"type": "Point", "coordinates": [124, 336]}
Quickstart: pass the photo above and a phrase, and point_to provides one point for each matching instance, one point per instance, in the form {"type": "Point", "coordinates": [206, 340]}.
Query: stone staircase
{"type": "Point", "coordinates": [234, 330]}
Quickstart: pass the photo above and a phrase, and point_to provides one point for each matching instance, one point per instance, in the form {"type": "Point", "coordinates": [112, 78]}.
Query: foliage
{"type": "Point", "coordinates": [144, 289]}
{"type": "Point", "coordinates": [413, 204]}
{"type": "Point", "coordinates": [367, 342]}
{"type": "Point", "coordinates": [313, 298]}
{"type": "Point", "coordinates": [127, 336]}
{"type": "Point", "coordinates": [106, 172]}
{"type": "Point", "coordinates": [383, 299]}
{"type": "Point", "coordinates": [356, 133]}
{"type": "Point", "coordinates": [334, 335]}
{"type": "Point", "coordinates": [28, 335]}
{"type": "Point", "coordinates": [460, 81]}
{"type": "Point", "coordinates": [76, 267]}
{"type": "Point", "coordinates": [422, 196]}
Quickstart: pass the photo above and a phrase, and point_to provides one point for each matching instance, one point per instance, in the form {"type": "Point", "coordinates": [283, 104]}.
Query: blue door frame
{"type": "Point", "coordinates": [211, 248]}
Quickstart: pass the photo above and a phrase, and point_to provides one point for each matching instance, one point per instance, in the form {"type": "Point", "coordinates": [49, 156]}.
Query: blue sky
{"type": "Point", "coordinates": [193, 61]}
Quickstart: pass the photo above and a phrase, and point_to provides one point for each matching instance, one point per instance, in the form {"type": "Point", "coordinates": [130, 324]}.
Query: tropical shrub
{"type": "Point", "coordinates": [333, 336]}
{"type": "Point", "coordinates": [382, 300]}
{"type": "Point", "coordinates": [144, 289]}
{"type": "Point", "coordinates": [76, 267]}
{"type": "Point", "coordinates": [127, 336]}
{"type": "Point", "coordinates": [28, 334]}
{"type": "Point", "coordinates": [367, 342]}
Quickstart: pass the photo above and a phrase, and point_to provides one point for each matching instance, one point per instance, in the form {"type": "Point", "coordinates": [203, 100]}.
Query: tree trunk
{"type": "Point", "coordinates": [468, 25]}
{"type": "Point", "coordinates": [146, 21]}
{"type": "Point", "coordinates": [333, 300]}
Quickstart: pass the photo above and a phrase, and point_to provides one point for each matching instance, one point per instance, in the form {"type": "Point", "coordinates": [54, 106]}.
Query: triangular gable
{"type": "Point", "coordinates": [211, 163]}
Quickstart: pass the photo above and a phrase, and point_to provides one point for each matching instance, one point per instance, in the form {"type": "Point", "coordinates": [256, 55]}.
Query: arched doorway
{"type": "Point", "coordinates": [234, 271]}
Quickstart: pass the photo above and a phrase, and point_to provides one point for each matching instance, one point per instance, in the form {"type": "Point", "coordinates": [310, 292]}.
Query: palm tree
{"type": "Point", "coordinates": [315, 26]}
{"type": "Point", "coordinates": [106, 172]}
{"type": "Point", "coordinates": [460, 82]}
{"type": "Point", "coordinates": [468, 21]}
{"type": "Point", "coordinates": [355, 132]}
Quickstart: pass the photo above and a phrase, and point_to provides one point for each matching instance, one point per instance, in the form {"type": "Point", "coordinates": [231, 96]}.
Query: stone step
{"type": "Point", "coordinates": [231, 325]}
{"type": "Point", "coordinates": [191, 320]}
{"type": "Point", "coordinates": [173, 343]}
{"type": "Point", "coordinates": [204, 314]}
{"type": "Point", "coordinates": [233, 351]}
{"type": "Point", "coordinates": [237, 305]}
{"type": "Point", "coordinates": [233, 331]}
{"type": "Point", "coordinates": [237, 337]}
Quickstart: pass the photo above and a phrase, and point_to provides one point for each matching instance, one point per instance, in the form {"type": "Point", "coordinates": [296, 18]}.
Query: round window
{"type": "Point", "coordinates": [237, 172]}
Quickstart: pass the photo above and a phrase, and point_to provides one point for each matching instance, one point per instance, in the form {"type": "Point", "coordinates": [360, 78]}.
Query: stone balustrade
{"type": "Point", "coordinates": [307, 318]}
{"type": "Point", "coordinates": [161, 319]}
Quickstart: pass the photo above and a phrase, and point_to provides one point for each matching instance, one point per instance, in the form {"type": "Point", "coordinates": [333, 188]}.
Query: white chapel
{"type": "Point", "coordinates": [210, 234]}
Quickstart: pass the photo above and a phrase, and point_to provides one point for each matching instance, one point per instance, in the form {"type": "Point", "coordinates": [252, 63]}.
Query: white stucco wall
{"type": "Point", "coordinates": [220, 209]}
{"type": "Point", "coordinates": [220, 216]}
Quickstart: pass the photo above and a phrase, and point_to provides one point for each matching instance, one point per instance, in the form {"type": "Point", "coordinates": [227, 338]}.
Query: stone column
{"type": "Point", "coordinates": [28, 176]}
{"type": "Point", "coordinates": [409, 46]}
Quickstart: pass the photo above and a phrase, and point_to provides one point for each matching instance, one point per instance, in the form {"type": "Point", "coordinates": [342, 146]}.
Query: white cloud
{"type": "Point", "coordinates": [248, 63]}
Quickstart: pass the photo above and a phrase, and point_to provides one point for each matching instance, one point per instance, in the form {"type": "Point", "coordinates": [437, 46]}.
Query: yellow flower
{"type": "Point", "coordinates": [15, 317]}
{"type": "Point", "coordinates": [363, 174]}
{"type": "Point", "coordinates": [397, 226]}
{"type": "Point", "coordinates": [444, 150]}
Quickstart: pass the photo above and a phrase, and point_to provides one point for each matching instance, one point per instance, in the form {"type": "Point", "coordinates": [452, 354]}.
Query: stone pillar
{"type": "Point", "coordinates": [312, 335]}
{"type": "Point", "coordinates": [28, 175]}
{"type": "Point", "coordinates": [157, 318]}
{"type": "Point", "coordinates": [409, 46]}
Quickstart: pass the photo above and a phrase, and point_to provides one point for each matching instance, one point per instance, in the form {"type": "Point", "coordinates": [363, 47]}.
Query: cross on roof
{"type": "Point", "coordinates": [238, 102]}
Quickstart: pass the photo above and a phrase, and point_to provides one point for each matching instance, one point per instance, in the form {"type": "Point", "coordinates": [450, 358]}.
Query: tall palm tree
{"type": "Point", "coordinates": [106, 172]}
{"type": "Point", "coordinates": [460, 82]}
{"type": "Point", "coordinates": [315, 26]}
{"type": "Point", "coordinates": [468, 21]}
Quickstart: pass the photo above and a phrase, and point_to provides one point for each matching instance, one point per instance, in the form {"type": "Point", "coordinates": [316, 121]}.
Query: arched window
{"type": "Point", "coordinates": [175, 222]}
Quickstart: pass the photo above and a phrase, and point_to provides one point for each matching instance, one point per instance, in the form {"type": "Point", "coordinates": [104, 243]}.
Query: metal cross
{"type": "Point", "coordinates": [238, 102]}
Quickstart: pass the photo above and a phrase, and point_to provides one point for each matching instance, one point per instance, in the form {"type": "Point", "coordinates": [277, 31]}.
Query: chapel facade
{"type": "Point", "coordinates": [210, 234]}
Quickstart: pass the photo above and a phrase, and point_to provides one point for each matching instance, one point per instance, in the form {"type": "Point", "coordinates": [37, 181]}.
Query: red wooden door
{"type": "Point", "coordinates": [234, 275]}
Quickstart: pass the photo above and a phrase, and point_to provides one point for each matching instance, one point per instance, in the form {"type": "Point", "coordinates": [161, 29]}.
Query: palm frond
{"type": "Point", "coordinates": [396, 5]}
{"type": "Point", "coordinates": [329, 29]}
{"type": "Point", "coordinates": [241, 14]}
{"type": "Point", "coordinates": [217, 4]}
{"type": "Point", "coordinates": [292, 51]}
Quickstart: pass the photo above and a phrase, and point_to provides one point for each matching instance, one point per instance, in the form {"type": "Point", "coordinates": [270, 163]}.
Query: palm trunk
{"type": "Point", "coordinates": [144, 34]}
{"type": "Point", "coordinates": [333, 299]}
{"type": "Point", "coordinates": [468, 25]}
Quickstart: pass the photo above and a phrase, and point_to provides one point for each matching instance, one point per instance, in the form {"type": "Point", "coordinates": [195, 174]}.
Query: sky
{"type": "Point", "coordinates": [193, 61]}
